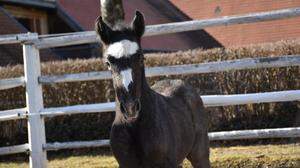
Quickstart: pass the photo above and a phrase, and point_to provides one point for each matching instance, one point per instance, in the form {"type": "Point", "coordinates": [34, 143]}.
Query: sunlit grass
{"type": "Point", "coordinates": [263, 156]}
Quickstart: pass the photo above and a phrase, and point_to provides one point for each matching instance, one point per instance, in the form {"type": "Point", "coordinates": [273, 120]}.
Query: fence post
{"type": "Point", "coordinates": [34, 102]}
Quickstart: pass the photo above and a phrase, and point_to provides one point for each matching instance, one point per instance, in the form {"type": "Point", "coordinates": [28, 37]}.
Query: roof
{"type": "Point", "coordinates": [69, 20]}
{"type": "Point", "coordinates": [156, 12]}
{"type": "Point", "coordinates": [84, 14]}
{"type": "Point", "coordinates": [35, 3]}
{"type": "Point", "coordinates": [243, 34]}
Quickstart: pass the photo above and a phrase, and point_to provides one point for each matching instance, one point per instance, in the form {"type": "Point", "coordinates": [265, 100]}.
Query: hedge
{"type": "Point", "coordinates": [96, 126]}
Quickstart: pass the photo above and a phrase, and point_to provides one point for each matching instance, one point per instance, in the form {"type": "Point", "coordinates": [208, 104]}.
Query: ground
{"type": "Point", "coordinates": [259, 156]}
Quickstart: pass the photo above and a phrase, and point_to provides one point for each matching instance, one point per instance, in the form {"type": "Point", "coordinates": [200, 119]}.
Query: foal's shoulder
{"type": "Point", "coordinates": [175, 87]}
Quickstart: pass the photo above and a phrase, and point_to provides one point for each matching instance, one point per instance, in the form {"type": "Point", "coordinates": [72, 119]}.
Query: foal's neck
{"type": "Point", "coordinates": [147, 98]}
{"type": "Point", "coordinates": [146, 90]}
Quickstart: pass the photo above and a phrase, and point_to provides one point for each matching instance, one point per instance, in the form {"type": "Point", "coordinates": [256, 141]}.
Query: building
{"type": "Point", "coordinates": [244, 34]}
{"type": "Point", "coordinates": [63, 16]}
{"type": "Point", "coordinates": [156, 12]}
{"type": "Point", "coordinates": [42, 17]}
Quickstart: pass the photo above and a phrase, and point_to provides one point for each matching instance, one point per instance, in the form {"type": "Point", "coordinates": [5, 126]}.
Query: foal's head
{"type": "Point", "coordinates": [124, 58]}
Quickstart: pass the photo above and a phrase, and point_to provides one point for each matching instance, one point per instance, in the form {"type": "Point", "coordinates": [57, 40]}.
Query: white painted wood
{"type": "Point", "coordinates": [11, 83]}
{"type": "Point", "coordinates": [34, 101]}
{"type": "Point", "coordinates": [16, 38]}
{"type": "Point", "coordinates": [91, 108]}
{"type": "Point", "coordinates": [211, 67]}
{"type": "Point", "coordinates": [209, 101]}
{"type": "Point", "coordinates": [25, 37]}
{"type": "Point", "coordinates": [8, 39]}
{"type": "Point", "coordinates": [75, 39]}
{"type": "Point", "coordinates": [255, 134]}
{"type": "Point", "coordinates": [238, 64]}
{"type": "Point", "coordinates": [90, 36]}
{"type": "Point", "coordinates": [14, 149]}
{"type": "Point", "coordinates": [76, 145]}
{"type": "Point", "coordinates": [13, 114]}
{"type": "Point", "coordinates": [252, 98]}
{"type": "Point", "coordinates": [213, 136]}
{"type": "Point", "coordinates": [57, 35]}
{"type": "Point", "coordinates": [222, 21]}
{"type": "Point", "coordinates": [88, 76]}
{"type": "Point", "coordinates": [48, 41]}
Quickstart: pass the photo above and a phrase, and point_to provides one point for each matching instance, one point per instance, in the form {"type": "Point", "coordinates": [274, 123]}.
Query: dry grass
{"type": "Point", "coordinates": [262, 156]}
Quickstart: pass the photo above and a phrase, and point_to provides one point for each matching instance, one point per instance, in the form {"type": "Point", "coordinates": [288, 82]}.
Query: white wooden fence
{"type": "Point", "coordinates": [35, 113]}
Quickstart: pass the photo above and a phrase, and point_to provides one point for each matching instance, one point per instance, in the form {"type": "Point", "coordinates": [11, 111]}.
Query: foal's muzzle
{"type": "Point", "coordinates": [131, 109]}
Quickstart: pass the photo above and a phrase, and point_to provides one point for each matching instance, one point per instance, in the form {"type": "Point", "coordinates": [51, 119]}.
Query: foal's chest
{"type": "Point", "coordinates": [156, 142]}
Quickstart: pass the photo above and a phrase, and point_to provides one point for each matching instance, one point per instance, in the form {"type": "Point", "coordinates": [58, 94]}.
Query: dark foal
{"type": "Point", "coordinates": [150, 129]}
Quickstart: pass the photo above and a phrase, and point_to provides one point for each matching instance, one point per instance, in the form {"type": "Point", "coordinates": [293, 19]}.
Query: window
{"type": "Point", "coordinates": [32, 19]}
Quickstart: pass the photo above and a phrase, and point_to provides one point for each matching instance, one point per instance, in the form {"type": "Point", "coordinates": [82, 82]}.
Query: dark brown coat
{"type": "Point", "coordinates": [153, 128]}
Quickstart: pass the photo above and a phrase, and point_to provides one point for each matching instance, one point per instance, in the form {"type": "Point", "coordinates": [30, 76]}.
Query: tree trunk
{"type": "Point", "coordinates": [112, 11]}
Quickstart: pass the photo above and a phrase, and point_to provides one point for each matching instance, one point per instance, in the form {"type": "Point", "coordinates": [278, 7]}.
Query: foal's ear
{"type": "Point", "coordinates": [103, 30]}
{"type": "Point", "coordinates": [138, 24]}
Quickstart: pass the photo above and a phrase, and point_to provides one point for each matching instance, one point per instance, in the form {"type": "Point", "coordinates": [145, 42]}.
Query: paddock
{"type": "Point", "coordinates": [35, 112]}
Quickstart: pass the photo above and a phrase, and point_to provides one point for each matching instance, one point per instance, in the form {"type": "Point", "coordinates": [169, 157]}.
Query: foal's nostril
{"type": "Point", "coordinates": [131, 108]}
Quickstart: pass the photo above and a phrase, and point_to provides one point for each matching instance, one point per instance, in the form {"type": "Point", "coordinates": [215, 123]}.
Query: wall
{"type": "Point", "coordinates": [240, 35]}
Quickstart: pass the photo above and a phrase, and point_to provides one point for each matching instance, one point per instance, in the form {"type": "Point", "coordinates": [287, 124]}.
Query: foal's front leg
{"type": "Point", "coordinates": [127, 159]}
{"type": "Point", "coordinates": [124, 149]}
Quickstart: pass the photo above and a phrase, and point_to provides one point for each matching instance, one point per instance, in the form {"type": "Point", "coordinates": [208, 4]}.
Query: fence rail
{"type": "Point", "coordinates": [11, 83]}
{"type": "Point", "coordinates": [17, 38]}
{"type": "Point", "coordinates": [75, 145]}
{"type": "Point", "coordinates": [252, 98]}
{"type": "Point", "coordinates": [211, 67]}
{"type": "Point", "coordinates": [78, 109]}
{"type": "Point", "coordinates": [13, 114]}
{"type": "Point", "coordinates": [213, 136]}
{"type": "Point", "coordinates": [90, 36]}
{"type": "Point", "coordinates": [14, 149]}
{"type": "Point", "coordinates": [35, 112]}
{"type": "Point", "coordinates": [209, 101]}
{"type": "Point", "coordinates": [256, 134]}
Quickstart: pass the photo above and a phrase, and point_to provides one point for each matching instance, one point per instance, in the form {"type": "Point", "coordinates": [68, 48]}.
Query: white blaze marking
{"type": "Point", "coordinates": [124, 48]}
{"type": "Point", "coordinates": [126, 78]}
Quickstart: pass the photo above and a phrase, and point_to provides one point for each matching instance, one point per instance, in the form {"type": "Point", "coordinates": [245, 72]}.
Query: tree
{"type": "Point", "coordinates": [112, 11]}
